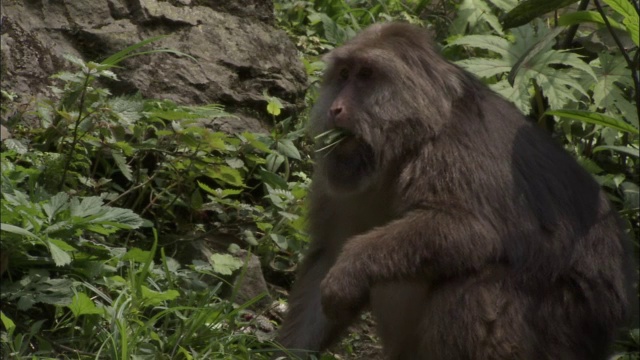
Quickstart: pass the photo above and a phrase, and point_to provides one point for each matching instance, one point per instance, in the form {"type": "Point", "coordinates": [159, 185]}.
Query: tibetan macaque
{"type": "Point", "coordinates": [465, 229]}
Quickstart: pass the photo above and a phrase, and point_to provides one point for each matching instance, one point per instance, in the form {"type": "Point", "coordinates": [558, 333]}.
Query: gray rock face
{"type": "Point", "coordinates": [238, 50]}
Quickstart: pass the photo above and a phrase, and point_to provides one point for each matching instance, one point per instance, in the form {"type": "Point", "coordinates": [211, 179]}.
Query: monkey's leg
{"type": "Point", "coordinates": [305, 326]}
{"type": "Point", "coordinates": [480, 316]}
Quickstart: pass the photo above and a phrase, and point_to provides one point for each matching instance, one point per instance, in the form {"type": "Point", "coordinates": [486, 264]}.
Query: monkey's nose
{"type": "Point", "coordinates": [335, 111]}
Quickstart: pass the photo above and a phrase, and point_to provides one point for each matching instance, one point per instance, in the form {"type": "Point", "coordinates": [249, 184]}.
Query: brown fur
{"type": "Point", "coordinates": [466, 229]}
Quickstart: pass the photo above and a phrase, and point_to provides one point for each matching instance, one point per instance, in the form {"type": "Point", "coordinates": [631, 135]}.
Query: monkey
{"type": "Point", "coordinates": [468, 231]}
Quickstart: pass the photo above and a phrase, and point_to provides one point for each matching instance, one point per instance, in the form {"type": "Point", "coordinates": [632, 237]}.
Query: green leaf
{"type": "Point", "coordinates": [74, 60]}
{"type": "Point", "coordinates": [541, 46]}
{"type": "Point", "coordinates": [81, 304]}
{"type": "Point", "coordinates": [128, 109]}
{"type": "Point", "coordinates": [16, 145]}
{"type": "Point", "coordinates": [153, 297]}
{"type": "Point", "coordinates": [255, 141]}
{"type": "Point", "coordinates": [581, 17]}
{"type": "Point", "coordinates": [280, 240]}
{"type": "Point", "coordinates": [130, 51]}
{"type": "Point", "coordinates": [226, 174]}
{"type": "Point", "coordinates": [63, 245]}
{"type": "Point", "coordinates": [596, 119]}
{"type": "Point", "coordinates": [272, 179]}
{"type": "Point", "coordinates": [473, 14]}
{"type": "Point", "coordinates": [274, 105]}
{"type": "Point", "coordinates": [635, 152]}
{"type": "Point", "coordinates": [287, 148]}
{"type": "Point", "coordinates": [610, 70]}
{"type": "Point", "coordinates": [87, 206]}
{"type": "Point", "coordinates": [488, 42]}
{"type": "Point", "coordinates": [126, 148]}
{"type": "Point", "coordinates": [137, 255]}
{"type": "Point", "coordinates": [58, 203]}
{"type": "Point", "coordinates": [59, 256]}
{"type": "Point", "coordinates": [631, 17]}
{"type": "Point", "coordinates": [121, 162]}
{"type": "Point", "coordinates": [219, 193]}
{"type": "Point", "coordinates": [18, 230]}
{"type": "Point", "coordinates": [273, 108]}
{"type": "Point", "coordinates": [532, 57]}
{"type": "Point", "coordinates": [172, 115]}
{"type": "Point", "coordinates": [234, 163]}
{"type": "Point", "coordinates": [631, 193]}
{"type": "Point", "coordinates": [8, 323]}
{"type": "Point", "coordinates": [249, 237]}
{"type": "Point", "coordinates": [485, 67]}
{"type": "Point", "coordinates": [516, 95]}
{"type": "Point", "coordinates": [528, 10]}
{"type": "Point", "coordinates": [274, 161]}
{"type": "Point", "coordinates": [224, 264]}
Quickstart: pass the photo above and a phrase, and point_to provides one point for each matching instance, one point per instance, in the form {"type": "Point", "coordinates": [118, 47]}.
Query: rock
{"type": "Point", "coordinates": [238, 52]}
{"type": "Point", "coordinates": [250, 282]}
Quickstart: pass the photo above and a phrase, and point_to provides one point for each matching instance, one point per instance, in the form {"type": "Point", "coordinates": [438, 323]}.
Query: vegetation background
{"type": "Point", "coordinates": [100, 192]}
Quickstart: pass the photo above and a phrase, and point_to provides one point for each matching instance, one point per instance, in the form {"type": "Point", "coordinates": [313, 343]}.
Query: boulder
{"type": "Point", "coordinates": [237, 50]}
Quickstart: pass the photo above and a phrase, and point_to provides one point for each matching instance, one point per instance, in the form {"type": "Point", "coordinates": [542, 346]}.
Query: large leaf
{"type": "Point", "coordinates": [226, 174]}
{"type": "Point", "coordinates": [286, 147]}
{"type": "Point", "coordinates": [580, 17]}
{"type": "Point", "coordinates": [90, 210]}
{"type": "Point", "coordinates": [225, 264]}
{"type": "Point", "coordinates": [505, 5]}
{"type": "Point", "coordinates": [59, 256]}
{"type": "Point", "coordinates": [528, 10]}
{"type": "Point", "coordinates": [153, 297]}
{"type": "Point", "coordinates": [17, 230]}
{"type": "Point", "coordinates": [596, 119]}
{"type": "Point", "coordinates": [121, 162]}
{"type": "Point", "coordinates": [631, 18]}
{"type": "Point", "coordinates": [531, 57]}
{"type": "Point", "coordinates": [610, 70]}
{"type": "Point", "coordinates": [496, 44]}
{"type": "Point", "coordinates": [542, 45]}
{"type": "Point", "coordinates": [127, 109]}
{"type": "Point", "coordinates": [56, 204]}
{"type": "Point", "coordinates": [472, 14]}
{"type": "Point", "coordinates": [81, 304]}
{"type": "Point", "coordinates": [8, 323]}
{"type": "Point", "coordinates": [633, 151]}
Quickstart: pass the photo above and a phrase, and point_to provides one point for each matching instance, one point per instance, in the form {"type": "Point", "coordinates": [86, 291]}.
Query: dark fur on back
{"type": "Point", "coordinates": [468, 231]}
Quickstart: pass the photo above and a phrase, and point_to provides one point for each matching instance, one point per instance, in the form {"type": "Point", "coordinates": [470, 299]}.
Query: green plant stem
{"type": "Point", "coordinates": [571, 32]}
{"type": "Point", "coordinates": [630, 63]}
{"type": "Point", "coordinates": [132, 189]}
{"type": "Point", "coordinates": [75, 133]}
{"type": "Point", "coordinates": [539, 97]}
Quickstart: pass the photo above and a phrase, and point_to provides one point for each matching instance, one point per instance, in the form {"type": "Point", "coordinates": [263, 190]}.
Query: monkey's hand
{"type": "Point", "coordinates": [345, 289]}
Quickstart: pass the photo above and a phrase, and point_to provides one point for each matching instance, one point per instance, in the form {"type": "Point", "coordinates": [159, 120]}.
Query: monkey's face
{"type": "Point", "coordinates": [364, 99]}
{"type": "Point", "coordinates": [351, 165]}
{"type": "Point", "coordinates": [390, 96]}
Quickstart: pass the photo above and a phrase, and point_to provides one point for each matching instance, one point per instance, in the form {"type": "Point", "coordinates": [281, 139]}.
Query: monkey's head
{"type": "Point", "coordinates": [390, 92]}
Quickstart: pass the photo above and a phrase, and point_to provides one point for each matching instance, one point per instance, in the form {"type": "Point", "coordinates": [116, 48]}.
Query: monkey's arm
{"type": "Point", "coordinates": [431, 241]}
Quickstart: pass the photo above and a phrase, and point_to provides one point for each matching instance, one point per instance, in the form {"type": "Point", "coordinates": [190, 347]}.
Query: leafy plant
{"type": "Point", "coordinates": [329, 139]}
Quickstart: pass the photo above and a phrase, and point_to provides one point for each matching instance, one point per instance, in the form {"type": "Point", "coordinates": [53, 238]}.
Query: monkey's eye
{"type": "Point", "coordinates": [365, 72]}
{"type": "Point", "coordinates": [344, 74]}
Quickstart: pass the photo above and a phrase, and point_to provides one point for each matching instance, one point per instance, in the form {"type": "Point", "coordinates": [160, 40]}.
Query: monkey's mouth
{"type": "Point", "coordinates": [333, 139]}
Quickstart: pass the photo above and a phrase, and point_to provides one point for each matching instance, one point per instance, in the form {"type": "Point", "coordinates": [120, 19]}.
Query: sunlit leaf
{"type": "Point", "coordinates": [225, 264]}
{"type": "Point", "coordinates": [153, 297]}
{"type": "Point", "coordinates": [81, 304]}
{"type": "Point", "coordinates": [59, 256]}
